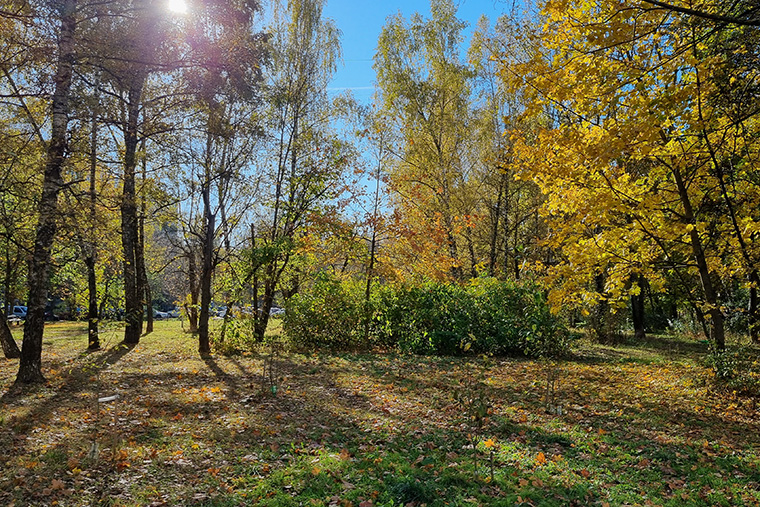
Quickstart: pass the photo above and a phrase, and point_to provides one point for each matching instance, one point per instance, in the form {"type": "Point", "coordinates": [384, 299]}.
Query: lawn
{"type": "Point", "coordinates": [613, 425]}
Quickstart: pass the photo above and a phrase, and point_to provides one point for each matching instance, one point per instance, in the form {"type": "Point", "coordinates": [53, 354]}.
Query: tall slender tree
{"type": "Point", "coordinates": [30, 366]}
{"type": "Point", "coordinates": [306, 159]}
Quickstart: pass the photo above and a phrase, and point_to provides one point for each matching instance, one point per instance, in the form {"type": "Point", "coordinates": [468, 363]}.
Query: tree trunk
{"type": "Point", "coordinates": [133, 290]}
{"type": "Point", "coordinates": [262, 321]}
{"type": "Point", "coordinates": [600, 316]}
{"type": "Point", "coordinates": [10, 348]}
{"type": "Point", "coordinates": [255, 265]}
{"type": "Point", "coordinates": [93, 338]}
{"type": "Point", "coordinates": [372, 248]}
{"type": "Point", "coordinates": [754, 322]}
{"type": "Point", "coordinates": [496, 216]}
{"type": "Point", "coordinates": [30, 366]}
{"type": "Point", "coordinates": [192, 274]}
{"type": "Point", "coordinates": [711, 296]}
{"type": "Point", "coordinates": [88, 245]}
{"type": "Point", "coordinates": [637, 309]}
{"type": "Point", "coordinates": [147, 292]}
{"type": "Point", "coordinates": [140, 254]}
{"type": "Point", "coordinates": [471, 251]}
{"type": "Point", "coordinates": [207, 266]}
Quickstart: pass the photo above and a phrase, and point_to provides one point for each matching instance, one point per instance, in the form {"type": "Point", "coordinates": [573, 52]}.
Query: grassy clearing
{"type": "Point", "coordinates": [626, 426]}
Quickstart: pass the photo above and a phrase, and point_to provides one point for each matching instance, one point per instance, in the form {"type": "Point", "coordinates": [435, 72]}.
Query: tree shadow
{"type": "Point", "coordinates": [74, 381]}
{"type": "Point", "coordinates": [231, 381]}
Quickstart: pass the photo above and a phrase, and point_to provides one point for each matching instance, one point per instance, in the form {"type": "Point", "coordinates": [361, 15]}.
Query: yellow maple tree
{"type": "Point", "coordinates": [646, 159]}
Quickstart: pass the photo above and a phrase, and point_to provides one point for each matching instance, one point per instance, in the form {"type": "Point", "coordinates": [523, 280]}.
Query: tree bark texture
{"type": "Point", "coordinates": [10, 348]}
{"type": "Point", "coordinates": [90, 248]}
{"type": "Point", "coordinates": [204, 342]}
{"type": "Point", "coordinates": [637, 310]}
{"type": "Point", "coordinates": [30, 366]}
{"type": "Point", "coordinates": [93, 337]}
{"type": "Point", "coordinates": [192, 274]}
{"type": "Point", "coordinates": [717, 318]}
{"type": "Point", "coordinates": [133, 289]}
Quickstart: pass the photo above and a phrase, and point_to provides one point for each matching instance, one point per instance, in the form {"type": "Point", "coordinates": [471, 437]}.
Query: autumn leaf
{"type": "Point", "coordinates": [540, 459]}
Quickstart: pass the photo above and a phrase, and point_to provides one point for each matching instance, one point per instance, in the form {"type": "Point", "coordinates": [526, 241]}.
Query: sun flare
{"type": "Point", "coordinates": [178, 6]}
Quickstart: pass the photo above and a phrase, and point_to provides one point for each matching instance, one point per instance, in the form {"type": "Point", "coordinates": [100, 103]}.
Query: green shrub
{"type": "Point", "coordinates": [233, 337]}
{"type": "Point", "coordinates": [330, 315]}
{"type": "Point", "coordinates": [485, 316]}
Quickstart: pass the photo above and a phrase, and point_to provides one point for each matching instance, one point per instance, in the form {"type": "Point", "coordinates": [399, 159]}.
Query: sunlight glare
{"type": "Point", "coordinates": [178, 6]}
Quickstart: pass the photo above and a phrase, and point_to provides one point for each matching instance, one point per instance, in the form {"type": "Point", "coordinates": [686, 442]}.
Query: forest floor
{"type": "Point", "coordinates": [624, 424]}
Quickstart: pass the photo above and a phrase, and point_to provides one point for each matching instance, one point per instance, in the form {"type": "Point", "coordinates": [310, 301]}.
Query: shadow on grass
{"type": "Point", "coordinates": [232, 382]}
{"type": "Point", "coordinates": [654, 348]}
{"type": "Point", "coordinates": [72, 383]}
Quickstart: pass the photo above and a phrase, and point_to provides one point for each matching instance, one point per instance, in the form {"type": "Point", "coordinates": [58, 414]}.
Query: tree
{"type": "Point", "coordinates": [224, 127]}
{"type": "Point", "coordinates": [631, 162]}
{"type": "Point", "coordinates": [509, 228]}
{"type": "Point", "coordinates": [30, 366]}
{"type": "Point", "coordinates": [424, 90]}
{"type": "Point", "coordinates": [305, 160]}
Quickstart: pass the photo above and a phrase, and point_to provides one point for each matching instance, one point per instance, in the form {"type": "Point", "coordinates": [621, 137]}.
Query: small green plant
{"type": "Point", "coordinates": [490, 447]}
{"type": "Point", "coordinates": [552, 394]}
{"type": "Point", "coordinates": [472, 398]}
{"type": "Point", "coordinates": [234, 336]}
{"type": "Point", "coordinates": [724, 364]}
{"type": "Point", "coordinates": [269, 368]}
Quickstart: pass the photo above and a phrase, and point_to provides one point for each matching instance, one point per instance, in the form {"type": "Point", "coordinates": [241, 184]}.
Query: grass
{"type": "Point", "coordinates": [629, 425]}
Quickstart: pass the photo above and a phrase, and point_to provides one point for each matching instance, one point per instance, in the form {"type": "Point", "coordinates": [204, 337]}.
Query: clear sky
{"type": "Point", "coordinates": [361, 22]}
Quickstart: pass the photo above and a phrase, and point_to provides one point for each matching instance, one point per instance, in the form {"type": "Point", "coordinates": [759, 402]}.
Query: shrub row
{"type": "Point", "coordinates": [485, 316]}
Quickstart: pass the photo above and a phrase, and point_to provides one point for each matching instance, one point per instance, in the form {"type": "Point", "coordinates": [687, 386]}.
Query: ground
{"type": "Point", "coordinates": [612, 425]}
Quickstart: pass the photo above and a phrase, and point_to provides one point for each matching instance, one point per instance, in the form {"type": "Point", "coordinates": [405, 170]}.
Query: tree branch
{"type": "Point", "coordinates": [706, 15]}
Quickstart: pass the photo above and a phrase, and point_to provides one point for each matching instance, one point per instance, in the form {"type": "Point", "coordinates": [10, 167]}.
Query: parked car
{"type": "Point", "coordinates": [160, 315]}
{"type": "Point", "coordinates": [276, 311]}
{"type": "Point", "coordinates": [19, 311]}
{"type": "Point", "coordinates": [174, 312]}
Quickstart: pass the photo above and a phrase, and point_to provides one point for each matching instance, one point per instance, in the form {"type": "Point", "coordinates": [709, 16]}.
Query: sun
{"type": "Point", "coordinates": [178, 6]}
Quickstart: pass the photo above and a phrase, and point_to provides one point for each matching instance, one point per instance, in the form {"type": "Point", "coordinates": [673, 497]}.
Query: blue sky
{"type": "Point", "coordinates": [361, 22]}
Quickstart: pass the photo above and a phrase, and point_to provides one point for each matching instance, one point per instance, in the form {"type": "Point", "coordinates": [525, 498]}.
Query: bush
{"type": "Point", "coordinates": [238, 337]}
{"type": "Point", "coordinates": [485, 316]}
{"type": "Point", "coordinates": [328, 315]}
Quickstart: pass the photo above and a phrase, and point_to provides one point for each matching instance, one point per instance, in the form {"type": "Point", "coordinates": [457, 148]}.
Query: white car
{"type": "Point", "coordinates": [160, 315]}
